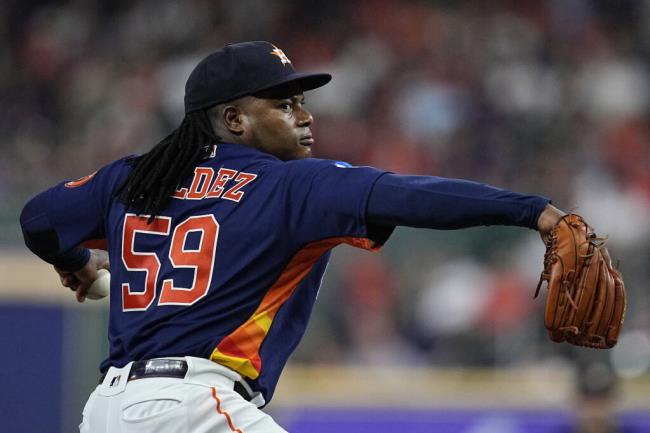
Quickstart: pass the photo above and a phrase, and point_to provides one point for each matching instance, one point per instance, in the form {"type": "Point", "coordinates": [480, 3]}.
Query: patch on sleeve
{"type": "Point", "coordinates": [342, 164]}
{"type": "Point", "coordinates": [81, 181]}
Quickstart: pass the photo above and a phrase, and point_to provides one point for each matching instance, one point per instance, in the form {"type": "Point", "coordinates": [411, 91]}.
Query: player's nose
{"type": "Point", "coordinates": [304, 118]}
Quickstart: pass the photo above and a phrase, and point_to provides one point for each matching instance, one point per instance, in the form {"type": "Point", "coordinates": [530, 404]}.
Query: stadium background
{"type": "Point", "coordinates": [439, 332]}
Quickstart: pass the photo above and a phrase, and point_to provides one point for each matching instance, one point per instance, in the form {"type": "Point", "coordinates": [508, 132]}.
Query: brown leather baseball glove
{"type": "Point", "coordinates": [586, 296]}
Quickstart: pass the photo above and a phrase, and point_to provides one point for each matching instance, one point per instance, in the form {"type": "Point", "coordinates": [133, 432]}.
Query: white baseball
{"type": "Point", "coordinates": [101, 287]}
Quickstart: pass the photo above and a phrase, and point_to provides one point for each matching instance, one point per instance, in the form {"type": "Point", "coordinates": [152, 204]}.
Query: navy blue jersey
{"type": "Point", "coordinates": [230, 270]}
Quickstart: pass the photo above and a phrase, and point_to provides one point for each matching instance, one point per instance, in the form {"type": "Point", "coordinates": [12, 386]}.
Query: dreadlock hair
{"type": "Point", "coordinates": [157, 173]}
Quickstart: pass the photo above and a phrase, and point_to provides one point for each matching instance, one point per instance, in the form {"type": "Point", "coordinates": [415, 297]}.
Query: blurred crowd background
{"type": "Point", "coordinates": [549, 97]}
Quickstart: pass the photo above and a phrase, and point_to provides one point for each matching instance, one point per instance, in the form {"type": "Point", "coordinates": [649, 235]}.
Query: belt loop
{"type": "Point", "coordinates": [244, 389]}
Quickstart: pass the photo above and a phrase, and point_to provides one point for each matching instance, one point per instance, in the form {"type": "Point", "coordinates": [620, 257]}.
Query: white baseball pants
{"type": "Point", "coordinates": [202, 402]}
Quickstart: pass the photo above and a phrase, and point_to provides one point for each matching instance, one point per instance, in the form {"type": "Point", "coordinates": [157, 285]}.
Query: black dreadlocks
{"type": "Point", "coordinates": [157, 173]}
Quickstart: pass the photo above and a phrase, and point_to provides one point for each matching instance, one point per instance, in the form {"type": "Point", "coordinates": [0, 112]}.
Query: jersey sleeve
{"type": "Point", "coordinates": [56, 221]}
{"type": "Point", "coordinates": [328, 199]}
{"type": "Point", "coordinates": [444, 204]}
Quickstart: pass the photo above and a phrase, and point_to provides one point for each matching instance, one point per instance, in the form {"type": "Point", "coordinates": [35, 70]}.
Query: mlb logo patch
{"type": "Point", "coordinates": [115, 381]}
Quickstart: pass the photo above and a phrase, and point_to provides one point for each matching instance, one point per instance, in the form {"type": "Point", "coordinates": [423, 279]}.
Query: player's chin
{"type": "Point", "coordinates": [299, 152]}
{"type": "Point", "coordinates": [304, 149]}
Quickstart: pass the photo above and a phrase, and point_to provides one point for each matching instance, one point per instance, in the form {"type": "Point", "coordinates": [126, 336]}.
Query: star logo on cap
{"type": "Point", "coordinates": [283, 57]}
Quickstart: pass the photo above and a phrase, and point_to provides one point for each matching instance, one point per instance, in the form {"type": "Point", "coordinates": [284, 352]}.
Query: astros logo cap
{"type": "Point", "coordinates": [242, 69]}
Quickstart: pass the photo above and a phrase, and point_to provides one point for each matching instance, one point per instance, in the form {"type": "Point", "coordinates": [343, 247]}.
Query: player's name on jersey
{"type": "Point", "coordinates": [225, 184]}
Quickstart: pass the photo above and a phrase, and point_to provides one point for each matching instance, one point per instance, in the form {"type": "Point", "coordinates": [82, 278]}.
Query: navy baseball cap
{"type": "Point", "coordinates": [243, 69]}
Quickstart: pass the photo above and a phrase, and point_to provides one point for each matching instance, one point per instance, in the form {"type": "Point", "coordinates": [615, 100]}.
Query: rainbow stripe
{"type": "Point", "coordinates": [240, 350]}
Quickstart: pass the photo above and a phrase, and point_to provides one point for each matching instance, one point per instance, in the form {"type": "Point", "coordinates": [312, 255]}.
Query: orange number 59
{"type": "Point", "coordinates": [200, 260]}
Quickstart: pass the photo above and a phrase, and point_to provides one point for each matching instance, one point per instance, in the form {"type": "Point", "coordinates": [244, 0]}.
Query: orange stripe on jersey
{"type": "Point", "coordinates": [224, 413]}
{"type": "Point", "coordinates": [79, 182]}
{"type": "Point", "coordinates": [240, 350]}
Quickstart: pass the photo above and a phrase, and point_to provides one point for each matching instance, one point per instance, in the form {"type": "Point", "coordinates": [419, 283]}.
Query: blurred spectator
{"type": "Point", "coordinates": [596, 391]}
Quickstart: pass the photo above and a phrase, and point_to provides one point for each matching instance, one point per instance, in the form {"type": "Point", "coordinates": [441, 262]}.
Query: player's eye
{"type": "Point", "coordinates": [285, 106]}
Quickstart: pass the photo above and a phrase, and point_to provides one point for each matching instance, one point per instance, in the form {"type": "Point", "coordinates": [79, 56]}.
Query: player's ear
{"type": "Point", "coordinates": [233, 119]}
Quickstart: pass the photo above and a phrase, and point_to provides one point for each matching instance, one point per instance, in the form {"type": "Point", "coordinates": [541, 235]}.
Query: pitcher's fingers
{"type": "Point", "coordinates": [70, 281]}
{"type": "Point", "coordinates": [80, 294]}
{"type": "Point", "coordinates": [62, 276]}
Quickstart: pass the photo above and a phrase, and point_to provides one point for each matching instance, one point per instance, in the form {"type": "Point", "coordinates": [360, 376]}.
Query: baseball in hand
{"type": "Point", "coordinates": [101, 287]}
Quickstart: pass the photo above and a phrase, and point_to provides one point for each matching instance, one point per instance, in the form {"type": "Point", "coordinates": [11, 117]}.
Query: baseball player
{"type": "Point", "coordinates": [218, 239]}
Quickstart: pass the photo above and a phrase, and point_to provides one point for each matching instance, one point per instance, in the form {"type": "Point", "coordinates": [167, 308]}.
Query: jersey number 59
{"type": "Point", "coordinates": [201, 260]}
